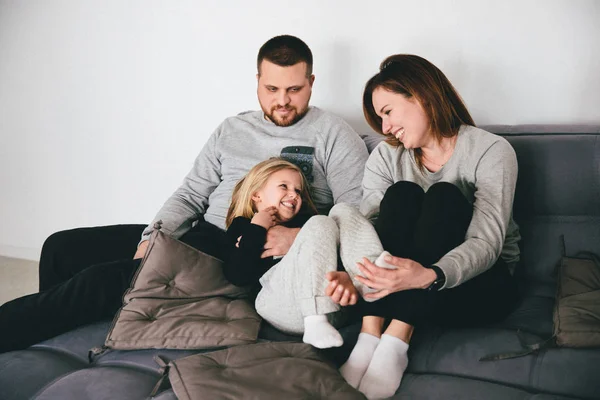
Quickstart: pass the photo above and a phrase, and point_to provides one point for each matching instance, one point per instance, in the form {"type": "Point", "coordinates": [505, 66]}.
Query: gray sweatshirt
{"type": "Point", "coordinates": [484, 168]}
{"type": "Point", "coordinates": [330, 153]}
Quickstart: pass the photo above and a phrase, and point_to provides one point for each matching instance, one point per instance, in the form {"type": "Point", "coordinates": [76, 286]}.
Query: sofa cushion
{"type": "Point", "coordinates": [456, 352]}
{"type": "Point", "coordinates": [259, 371]}
{"type": "Point", "coordinates": [532, 315]}
{"type": "Point", "coordinates": [180, 299]}
{"type": "Point", "coordinates": [35, 368]}
{"type": "Point", "coordinates": [433, 386]}
{"type": "Point", "coordinates": [577, 314]}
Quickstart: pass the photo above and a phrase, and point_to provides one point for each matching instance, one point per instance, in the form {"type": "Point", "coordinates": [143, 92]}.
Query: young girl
{"type": "Point", "coordinates": [291, 290]}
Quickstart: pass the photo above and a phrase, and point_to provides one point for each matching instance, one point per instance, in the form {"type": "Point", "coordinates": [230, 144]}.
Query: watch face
{"type": "Point", "coordinates": [437, 284]}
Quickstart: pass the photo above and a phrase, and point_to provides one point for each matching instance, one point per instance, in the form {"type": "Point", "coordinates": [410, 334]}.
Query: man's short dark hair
{"type": "Point", "coordinates": [285, 51]}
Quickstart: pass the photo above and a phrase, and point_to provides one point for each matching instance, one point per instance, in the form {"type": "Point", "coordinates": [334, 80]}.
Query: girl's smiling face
{"type": "Point", "coordinates": [283, 190]}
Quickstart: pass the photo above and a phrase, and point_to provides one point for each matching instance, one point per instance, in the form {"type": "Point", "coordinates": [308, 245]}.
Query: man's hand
{"type": "Point", "coordinates": [341, 289]}
{"type": "Point", "coordinates": [279, 241]}
{"type": "Point", "coordinates": [409, 274]}
{"type": "Point", "coordinates": [141, 250]}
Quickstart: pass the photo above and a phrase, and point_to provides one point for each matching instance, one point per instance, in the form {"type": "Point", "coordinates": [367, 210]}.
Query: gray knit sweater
{"type": "Point", "coordinates": [484, 168]}
{"type": "Point", "coordinates": [329, 151]}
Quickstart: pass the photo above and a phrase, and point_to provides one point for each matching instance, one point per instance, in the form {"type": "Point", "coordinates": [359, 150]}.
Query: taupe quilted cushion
{"type": "Point", "coordinates": [259, 371]}
{"type": "Point", "coordinates": [577, 312]}
{"type": "Point", "coordinates": [180, 299]}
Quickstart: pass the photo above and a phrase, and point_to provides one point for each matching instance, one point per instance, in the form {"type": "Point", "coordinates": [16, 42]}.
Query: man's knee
{"type": "Point", "coordinates": [59, 241]}
{"type": "Point", "coordinates": [107, 281]}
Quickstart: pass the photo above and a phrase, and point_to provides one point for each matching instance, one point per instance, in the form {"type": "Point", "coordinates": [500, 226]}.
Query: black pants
{"type": "Point", "coordinates": [83, 276]}
{"type": "Point", "coordinates": [424, 227]}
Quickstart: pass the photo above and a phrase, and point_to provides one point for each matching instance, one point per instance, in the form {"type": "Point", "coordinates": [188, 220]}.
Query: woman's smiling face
{"type": "Point", "coordinates": [402, 117]}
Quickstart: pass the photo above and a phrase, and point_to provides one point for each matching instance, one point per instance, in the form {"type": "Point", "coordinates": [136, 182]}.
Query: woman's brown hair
{"type": "Point", "coordinates": [414, 77]}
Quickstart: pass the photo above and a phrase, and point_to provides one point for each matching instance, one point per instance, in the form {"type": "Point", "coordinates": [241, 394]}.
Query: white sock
{"type": "Point", "coordinates": [355, 366]}
{"type": "Point", "coordinates": [320, 333]}
{"type": "Point", "coordinates": [380, 262]}
{"type": "Point", "coordinates": [385, 371]}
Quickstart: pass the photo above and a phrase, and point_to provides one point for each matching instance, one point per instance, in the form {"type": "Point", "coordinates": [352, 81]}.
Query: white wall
{"type": "Point", "coordinates": [104, 104]}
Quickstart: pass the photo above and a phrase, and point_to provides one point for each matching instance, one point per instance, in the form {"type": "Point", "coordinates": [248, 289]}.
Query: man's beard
{"type": "Point", "coordinates": [289, 119]}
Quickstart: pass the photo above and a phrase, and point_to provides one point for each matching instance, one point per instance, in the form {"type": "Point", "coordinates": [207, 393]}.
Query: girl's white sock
{"type": "Point", "coordinates": [320, 333]}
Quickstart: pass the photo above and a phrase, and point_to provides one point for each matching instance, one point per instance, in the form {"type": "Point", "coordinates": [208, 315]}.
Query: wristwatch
{"type": "Point", "coordinates": [440, 279]}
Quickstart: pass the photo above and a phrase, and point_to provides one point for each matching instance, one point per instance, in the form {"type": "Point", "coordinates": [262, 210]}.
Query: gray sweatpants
{"type": "Point", "coordinates": [295, 287]}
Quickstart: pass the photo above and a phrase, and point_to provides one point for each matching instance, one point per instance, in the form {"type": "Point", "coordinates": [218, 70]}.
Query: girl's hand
{"type": "Point", "coordinates": [341, 289]}
{"type": "Point", "coordinates": [408, 274]}
{"type": "Point", "coordinates": [265, 218]}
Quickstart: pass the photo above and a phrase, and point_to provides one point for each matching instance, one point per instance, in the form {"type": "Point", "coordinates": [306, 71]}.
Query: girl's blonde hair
{"type": "Point", "coordinates": [242, 204]}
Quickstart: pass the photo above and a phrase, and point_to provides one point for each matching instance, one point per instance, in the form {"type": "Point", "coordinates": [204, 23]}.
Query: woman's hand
{"type": "Point", "coordinates": [408, 274]}
{"type": "Point", "coordinates": [265, 218]}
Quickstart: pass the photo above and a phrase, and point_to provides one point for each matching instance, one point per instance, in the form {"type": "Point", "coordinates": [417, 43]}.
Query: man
{"type": "Point", "coordinates": [318, 142]}
{"type": "Point", "coordinates": [77, 283]}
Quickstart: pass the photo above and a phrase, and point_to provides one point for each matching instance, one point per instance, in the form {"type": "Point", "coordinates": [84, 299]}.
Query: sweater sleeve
{"type": "Point", "coordinates": [188, 203]}
{"type": "Point", "coordinates": [377, 179]}
{"type": "Point", "coordinates": [243, 265]}
{"type": "Point", "coordinates": [345, 163]}
{"type": "Point", "coordinates": [495, 183]}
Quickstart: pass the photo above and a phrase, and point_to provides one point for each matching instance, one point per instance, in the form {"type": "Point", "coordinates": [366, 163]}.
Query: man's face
{"type": "Point", "coordinates": [284, 92]}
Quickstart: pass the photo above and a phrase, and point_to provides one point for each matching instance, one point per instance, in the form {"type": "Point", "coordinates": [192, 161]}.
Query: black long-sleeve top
{"type": "Point", "coordinates": [243, 265]}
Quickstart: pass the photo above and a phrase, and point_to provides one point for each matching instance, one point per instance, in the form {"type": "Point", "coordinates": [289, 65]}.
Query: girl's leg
{"type": "Point", "coordinates": [358, 239]}
{"type": "Point", "coordinates": [293, 294]}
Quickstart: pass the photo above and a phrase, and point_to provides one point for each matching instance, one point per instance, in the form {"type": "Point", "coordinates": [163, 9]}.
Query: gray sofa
{"type": "Point", "coordinates": [558, 193]}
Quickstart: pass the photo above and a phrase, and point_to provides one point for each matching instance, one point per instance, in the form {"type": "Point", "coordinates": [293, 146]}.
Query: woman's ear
{"type": "Point", "coordinates": [256, 198]}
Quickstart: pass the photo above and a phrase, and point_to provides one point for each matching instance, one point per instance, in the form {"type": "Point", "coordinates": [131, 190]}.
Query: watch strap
{"type": "Point", "coordinates": [440, 279]}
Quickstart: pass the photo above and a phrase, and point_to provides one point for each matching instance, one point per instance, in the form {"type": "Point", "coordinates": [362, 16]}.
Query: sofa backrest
{"type": "Point", "coordinates": [558, 193]}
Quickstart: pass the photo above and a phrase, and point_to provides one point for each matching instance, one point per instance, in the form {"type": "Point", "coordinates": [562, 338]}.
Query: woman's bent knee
{"type": "Point", "coordinates": [401, 191]}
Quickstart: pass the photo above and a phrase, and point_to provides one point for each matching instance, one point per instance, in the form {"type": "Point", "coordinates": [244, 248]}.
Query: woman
{"type": "Point", "coordinates": [440, 192]}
